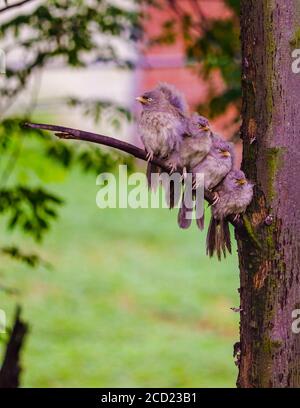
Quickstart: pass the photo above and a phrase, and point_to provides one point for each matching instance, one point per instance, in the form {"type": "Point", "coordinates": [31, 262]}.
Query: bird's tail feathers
{"type": "Point", "coordinates": [211, 236]}
{"type": "Point", "coordinates": [218, 238]}
{"type": "Point", "coordinates": [183, 220]}
{"type": "Point", "coordinates": [200, 222]}
{"type": "Point", "coordinates": [227, 239]}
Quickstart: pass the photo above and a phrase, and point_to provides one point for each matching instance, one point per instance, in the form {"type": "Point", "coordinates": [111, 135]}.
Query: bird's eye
{"type": "Point", "coordinates": [149, 99]}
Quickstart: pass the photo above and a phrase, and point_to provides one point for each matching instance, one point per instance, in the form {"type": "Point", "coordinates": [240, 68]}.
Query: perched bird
{"type": "Point", "coordinates": [197, 141]}
{"type": "Point", "coordinates": [216, 164]}
{"type": "Point", "coordinates": [195, 144]}
{"type": "Point", "coordinates": [235, 194]}
{"type": "Point", "coordinates": [162, 124]}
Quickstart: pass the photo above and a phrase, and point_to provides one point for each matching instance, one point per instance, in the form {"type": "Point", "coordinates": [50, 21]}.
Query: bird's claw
{"type": "Point", "coordinates": [216, 198]}
{"type": "Point", "coordinates": [184, 174]}
{"type": "Point", "coordinates": [149, 156]}
{"type": "Point", "coordinates": [195, 185]}
{"type": "Point", "coordinates": [237, 217]}
{"type": "Point", "coordinates": [172, 167]}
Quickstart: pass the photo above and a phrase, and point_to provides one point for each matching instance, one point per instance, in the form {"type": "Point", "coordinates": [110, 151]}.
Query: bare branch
{"type": "Point", "coordinates": [69, 133]}
{"type": "Point", "coordinates": [75, 134]}
{"type": "Point", "coordinates": [14, 5]}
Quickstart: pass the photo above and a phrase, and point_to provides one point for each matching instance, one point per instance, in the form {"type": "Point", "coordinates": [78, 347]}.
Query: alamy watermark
{"type": "Point", "coordinates": [296, 321]}
{"type": "Point", "coordinates": [130, 191]}
{"type": "Point", "coordinates": [2, 321]}
{"type": "Point", "coordinates": [296, 61]}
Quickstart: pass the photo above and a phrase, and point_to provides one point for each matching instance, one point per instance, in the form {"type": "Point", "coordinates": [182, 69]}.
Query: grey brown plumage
{"type": "Point", "coordinates": [194, 147]}
{"type": "Point", "coordinates": [235, 194]}
{"type": "Point", "coordinates": [214, 167]}
{"type": "Point", "coordinates": [196, 142]}
{"type": "Point", "coordinates": [175, 97]}
{"type": "Point", "coordinates": [217, 163]}
{"type": "Point", "coordinates": [162, 123]}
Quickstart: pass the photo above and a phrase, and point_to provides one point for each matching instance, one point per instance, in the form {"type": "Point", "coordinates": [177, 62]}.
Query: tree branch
{"type": "Point", "coordinates": [75, 134]}
{"type": "Point", "coordinates": [69, 133]}
{"type": "Point", "coordinates": [11, 6]}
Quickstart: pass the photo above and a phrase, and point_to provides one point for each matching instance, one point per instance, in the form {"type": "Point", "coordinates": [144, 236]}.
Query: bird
{"type": "Point", "coordinates": [162, 124]}
{"type": "Point", "coordinates": [164, 112]}
{"type": "Point", "coordinates": [214, 167]}
{"type": "Point", "coordinates": [235, 194]}
{"type": "Point", "coordinates": [195, 144]}
{"type": "Point", "coordinates": [197, 141]}
{"type": "Point", "coordinates": [217, 163]}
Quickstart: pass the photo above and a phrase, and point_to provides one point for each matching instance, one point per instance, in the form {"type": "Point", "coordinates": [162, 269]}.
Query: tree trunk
{"type": "Point", "coordinates": [269, 256]}
{"type": "Point", "coordinates": [11, 367]}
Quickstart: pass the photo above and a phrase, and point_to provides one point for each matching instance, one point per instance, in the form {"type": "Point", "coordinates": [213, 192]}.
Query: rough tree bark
{"type": "Point", "coordinates": [269, 263]}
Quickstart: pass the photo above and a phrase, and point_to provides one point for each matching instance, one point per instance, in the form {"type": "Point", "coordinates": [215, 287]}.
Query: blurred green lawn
{"type": "Point", "coordinates": [131, 300]}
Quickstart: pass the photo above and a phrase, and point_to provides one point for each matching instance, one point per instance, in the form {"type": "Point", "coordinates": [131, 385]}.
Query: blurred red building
{"type": "Point", "coordinates": [168, 63]}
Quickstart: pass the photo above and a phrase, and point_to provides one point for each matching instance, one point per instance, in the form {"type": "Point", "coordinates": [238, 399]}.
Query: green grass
{"type": "Point", "coordinates": [131, 300]}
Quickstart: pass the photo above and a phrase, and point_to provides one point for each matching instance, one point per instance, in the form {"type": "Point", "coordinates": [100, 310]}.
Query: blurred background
{"type": "Point", "coordinates": [113, 297]}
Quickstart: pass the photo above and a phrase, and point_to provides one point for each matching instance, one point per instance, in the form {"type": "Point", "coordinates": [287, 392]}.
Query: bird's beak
{"type": "Point", "coordinates": [141, 100]}
{"type": "Point", "coordinates": [226, 153]}
{"type": "Point", "coordinates": [205, 128]}
{"type": "Point", "coordinates": [241, 181]}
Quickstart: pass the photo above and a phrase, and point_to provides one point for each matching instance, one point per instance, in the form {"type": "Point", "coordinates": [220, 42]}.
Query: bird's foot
{"type": "Point", "coordinates": [184, 174]}
{"type": "Point", "coordinates": [172, 167]}
{"type": "Point", "coordinates": [216, 198]}
{"type": "Point", "coordinates": [237, 217]}
{"type": "Point", "coordinates": [149, 156]}
{"type": "Point", "coordinates": [196, 182]}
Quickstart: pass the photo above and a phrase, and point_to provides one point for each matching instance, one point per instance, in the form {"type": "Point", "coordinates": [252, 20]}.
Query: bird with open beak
{"type": "Point", "coordinates": [162, 124]}
{"type": "Point", "coordinates": [235, 194]}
